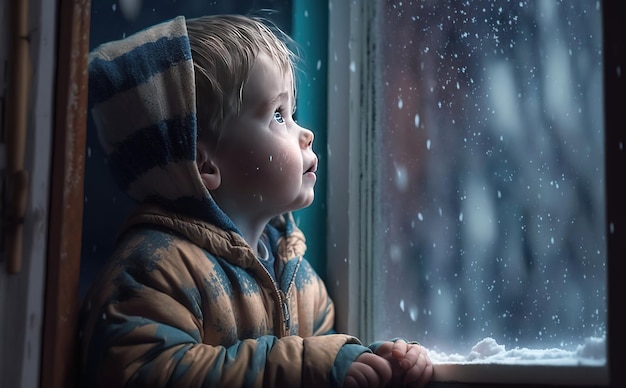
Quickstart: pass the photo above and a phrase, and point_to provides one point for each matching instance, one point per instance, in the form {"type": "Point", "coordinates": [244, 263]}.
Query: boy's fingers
{"type": "Point", "coordinates": [350, 382]}
{"type": "Point", "coordinates": [375, 369]}
{"type": "Point", "coordinates": [359, 375]}
{"type": "Point", "coordinates": [420, 373]}
{"type": "Point", "coordinates": [399, 349]}
{"type": "Point", "coordinates": [382, 367]}
{"type": "Point", "coordinates": [368, 376]}
{"type": "Point", "coordinates": [384, 349]}
{"type": "Point", "coordinates": [427, 374]}
{"type": "Point", "coordinates": [411, 356]}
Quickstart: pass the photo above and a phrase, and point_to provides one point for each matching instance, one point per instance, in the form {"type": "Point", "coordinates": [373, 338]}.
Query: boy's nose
{"type": "Point", "coordinates": [306, 138]}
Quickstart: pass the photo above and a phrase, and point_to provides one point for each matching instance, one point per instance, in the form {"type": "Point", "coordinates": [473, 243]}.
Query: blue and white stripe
{"type": "Point", "coordinates": [142, 94]}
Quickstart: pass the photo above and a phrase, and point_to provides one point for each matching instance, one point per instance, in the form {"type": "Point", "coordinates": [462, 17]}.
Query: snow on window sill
{"type": "Point", "coordinates": [489, 362]}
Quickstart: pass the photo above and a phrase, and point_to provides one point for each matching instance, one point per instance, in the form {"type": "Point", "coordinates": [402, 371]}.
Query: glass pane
{"type": "Point", "coordinates": [491, 232]}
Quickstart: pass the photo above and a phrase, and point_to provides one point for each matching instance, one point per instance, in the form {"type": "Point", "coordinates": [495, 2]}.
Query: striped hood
{"type": "Point", "coordinates": [142, 94]}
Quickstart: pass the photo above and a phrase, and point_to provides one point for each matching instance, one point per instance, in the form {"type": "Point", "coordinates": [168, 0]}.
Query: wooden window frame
{"type": "Point", "coordinates": [60, 352]}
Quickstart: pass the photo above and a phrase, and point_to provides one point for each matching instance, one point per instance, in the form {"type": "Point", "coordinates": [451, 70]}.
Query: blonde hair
{"type": "Point", "coordinates": [223, 49]}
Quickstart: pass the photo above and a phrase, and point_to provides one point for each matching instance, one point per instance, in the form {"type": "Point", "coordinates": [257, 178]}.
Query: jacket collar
{"type": "Point", "coordinates": [225, 243]}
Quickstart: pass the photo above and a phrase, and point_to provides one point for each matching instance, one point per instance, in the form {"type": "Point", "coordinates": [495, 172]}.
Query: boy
{"type": "Point", "coordinates": [207, 285]}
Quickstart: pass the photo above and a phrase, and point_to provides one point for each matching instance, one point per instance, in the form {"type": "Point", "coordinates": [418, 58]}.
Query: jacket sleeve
{"type": "Point", "coordinates": [318, 308]}
{"type": "Point", "coordinates": [152, 338]}
{"type": "Point", "coordinates": [323, 308]}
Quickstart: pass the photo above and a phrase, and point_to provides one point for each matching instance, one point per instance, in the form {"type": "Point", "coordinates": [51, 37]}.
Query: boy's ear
{"type": "Point", "coordinates": [209, 171]}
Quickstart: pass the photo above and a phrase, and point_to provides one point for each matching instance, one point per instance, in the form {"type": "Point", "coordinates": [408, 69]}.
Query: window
{"type": "Point", "coordinates": [491, 139]}
{"type": "Point", "coordinates": [472, 153]}
{"type": "Point", "coordinates": [349, 22]}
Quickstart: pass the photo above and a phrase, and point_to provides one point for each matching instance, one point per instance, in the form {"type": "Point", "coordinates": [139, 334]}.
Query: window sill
{"type": "Point", "coordinates": [563, 375]}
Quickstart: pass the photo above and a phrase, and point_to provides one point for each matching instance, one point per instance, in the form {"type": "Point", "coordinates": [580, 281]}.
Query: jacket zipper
{"type": "Point", "coordinates": [283, 297]}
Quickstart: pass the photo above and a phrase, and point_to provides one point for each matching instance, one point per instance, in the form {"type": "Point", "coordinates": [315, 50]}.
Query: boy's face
{"type": "Point", "coordinates": [265, 159]}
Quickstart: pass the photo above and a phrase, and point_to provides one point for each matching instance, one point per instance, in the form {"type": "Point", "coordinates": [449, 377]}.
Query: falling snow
{"type": "Point", "coordinates": [496, 211]}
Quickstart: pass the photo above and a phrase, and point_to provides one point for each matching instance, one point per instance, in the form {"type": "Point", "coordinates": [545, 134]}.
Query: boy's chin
{"type": "Point", "coordinates": [303, 204]}
{"type": "Point", "coordinates": [309, 201]}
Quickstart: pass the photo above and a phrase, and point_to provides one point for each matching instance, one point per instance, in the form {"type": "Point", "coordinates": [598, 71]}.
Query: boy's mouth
{"type": "Point", "coordinates": [313, 167]}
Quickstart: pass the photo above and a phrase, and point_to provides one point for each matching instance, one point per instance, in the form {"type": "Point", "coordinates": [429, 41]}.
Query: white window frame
{"type": "Point", "coordinates": [350, 197]}
{"type": "Point", "coordinates": [347, 255]}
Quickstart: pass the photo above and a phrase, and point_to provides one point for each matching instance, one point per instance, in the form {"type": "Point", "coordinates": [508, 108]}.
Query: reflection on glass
{"type": "Point", "coordinates": [491, 224]}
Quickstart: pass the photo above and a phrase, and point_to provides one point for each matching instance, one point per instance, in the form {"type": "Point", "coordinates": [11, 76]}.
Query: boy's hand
{"type": "Point", "coordinates": [368, 370]}
{"type": "Point", "coordinates": [410, 364]}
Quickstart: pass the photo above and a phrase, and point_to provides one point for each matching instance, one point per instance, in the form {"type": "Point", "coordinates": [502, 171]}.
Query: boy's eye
{"type": "Point", "coordinates": [279, 117]}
